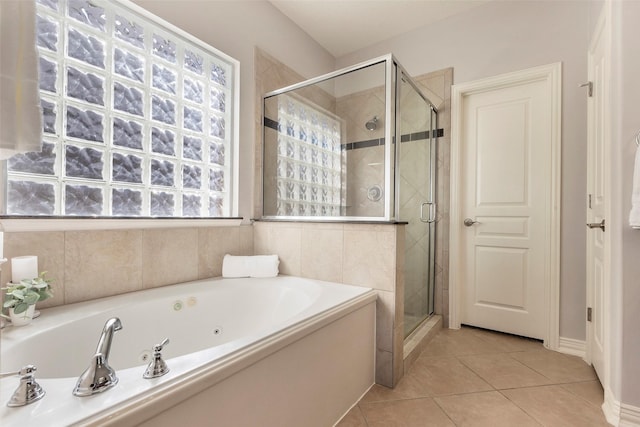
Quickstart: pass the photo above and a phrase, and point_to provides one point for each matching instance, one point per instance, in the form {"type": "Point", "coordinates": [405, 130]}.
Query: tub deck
{"type": "Point", "coordinates": [326, 332]}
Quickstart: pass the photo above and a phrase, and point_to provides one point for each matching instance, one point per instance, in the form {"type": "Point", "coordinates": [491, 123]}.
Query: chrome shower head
{"type": "Point", "coordinates": [372, 124]}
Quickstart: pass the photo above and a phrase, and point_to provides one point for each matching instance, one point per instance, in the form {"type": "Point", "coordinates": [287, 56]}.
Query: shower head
{"type": "Point", "coordinates": [372, 124]}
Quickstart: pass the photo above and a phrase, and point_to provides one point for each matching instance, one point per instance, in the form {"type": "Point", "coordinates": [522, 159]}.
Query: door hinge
{"type": "Point", "coordinates": [589, 201]}
{"type": "Point", "coordinates": [590, 86]}
{"type": "Point", "coordinates": [589, 312]}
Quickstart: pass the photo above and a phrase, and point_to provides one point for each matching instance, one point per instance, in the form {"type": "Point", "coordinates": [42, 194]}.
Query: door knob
{"type": "Point", "coordinates": [599, 225]}
{"type": "Point", "coordinates": [469, 222]}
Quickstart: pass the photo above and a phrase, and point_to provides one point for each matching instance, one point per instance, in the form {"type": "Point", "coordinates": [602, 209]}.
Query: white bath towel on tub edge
{"type": "Point", "coordinates": [250, 266]}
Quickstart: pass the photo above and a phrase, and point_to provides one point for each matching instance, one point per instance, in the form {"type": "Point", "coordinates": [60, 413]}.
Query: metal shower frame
{"type": "Point", "coordinates": [393, 71]}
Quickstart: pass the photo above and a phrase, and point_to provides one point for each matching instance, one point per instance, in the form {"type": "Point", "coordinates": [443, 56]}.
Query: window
{"type": "Point", "coordinates": [309, 165]}
{"type": "Point", "coordinates": [138, 118]}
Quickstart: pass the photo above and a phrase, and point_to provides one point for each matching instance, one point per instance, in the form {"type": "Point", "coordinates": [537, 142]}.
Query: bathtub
{"type": "Point", "coordinates": [282, 351]}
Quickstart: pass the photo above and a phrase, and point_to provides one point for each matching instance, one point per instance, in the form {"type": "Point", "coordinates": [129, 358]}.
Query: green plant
{"type": "Point", "coordinates": [20, 296]}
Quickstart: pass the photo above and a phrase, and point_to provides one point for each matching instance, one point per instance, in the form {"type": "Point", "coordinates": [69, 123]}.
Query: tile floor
{"type": "Point", "coordinates": [473, 377]}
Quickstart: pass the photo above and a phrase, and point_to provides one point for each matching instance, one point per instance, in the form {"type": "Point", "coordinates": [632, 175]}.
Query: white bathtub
{"type": "Point", "coordinates": [281, 351]}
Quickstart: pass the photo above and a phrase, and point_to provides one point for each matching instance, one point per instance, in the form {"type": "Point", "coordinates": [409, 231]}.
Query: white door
{"type": "Point", "coordinates": [596, 198]}
{"type": "Point", "coordinates": [506, 206]}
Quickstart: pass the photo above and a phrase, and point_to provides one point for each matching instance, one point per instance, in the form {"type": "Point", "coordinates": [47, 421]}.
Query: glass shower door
{"type": "Point", "coordinates": [416, 187]}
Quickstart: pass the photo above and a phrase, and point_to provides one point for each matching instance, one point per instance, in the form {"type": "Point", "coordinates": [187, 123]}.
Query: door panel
{"type": "Point", "coordinates": [506, 160]}
{"type": "Point", "coordinates": [502, 182]}
{"type": "Point", "coordinates": [499, 277]}
{"type": "Point", "coordinates": [596, 200]}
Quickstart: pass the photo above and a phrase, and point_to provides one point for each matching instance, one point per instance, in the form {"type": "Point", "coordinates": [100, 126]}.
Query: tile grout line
{"type": "Point", "coordinates": [521, 408]}
{"type": "Point", "coordinates": [444, 411]}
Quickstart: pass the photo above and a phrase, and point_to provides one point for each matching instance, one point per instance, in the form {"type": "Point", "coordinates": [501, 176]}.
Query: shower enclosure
{"type": "Point", "coordinates": [358, 144]}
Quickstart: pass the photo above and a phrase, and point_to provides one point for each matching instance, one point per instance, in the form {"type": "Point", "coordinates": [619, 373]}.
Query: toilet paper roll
{"type": "Point", "coordinates": [24, 267]}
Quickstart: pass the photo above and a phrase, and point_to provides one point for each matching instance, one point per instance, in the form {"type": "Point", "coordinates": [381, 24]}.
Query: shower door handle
{"type": "Point", "coordinates": [432, 212]}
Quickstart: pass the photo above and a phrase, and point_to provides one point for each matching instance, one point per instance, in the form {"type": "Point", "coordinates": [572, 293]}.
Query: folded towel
{"type": "Point", "coordinates": [264, 266]}
{"type": "Point", "coordinates": [634, 215]}
{"type": "Point", "coordinates": [235, 266]}
{"type": "Point", "coordinates": [250, 266]}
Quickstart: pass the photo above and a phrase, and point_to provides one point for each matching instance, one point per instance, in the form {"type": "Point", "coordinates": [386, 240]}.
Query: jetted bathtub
{"type": "Point", "coordinates": [282, 351]}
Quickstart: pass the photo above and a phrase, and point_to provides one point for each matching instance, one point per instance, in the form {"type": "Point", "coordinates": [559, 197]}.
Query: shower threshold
{"type": "Point", "coordinates": [419, 338]}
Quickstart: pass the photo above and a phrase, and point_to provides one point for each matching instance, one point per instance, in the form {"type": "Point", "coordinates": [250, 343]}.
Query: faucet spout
{"type": "Point", "coordinates": [104, 344]}
{"type": "Point", "coordinates": [99, 376]}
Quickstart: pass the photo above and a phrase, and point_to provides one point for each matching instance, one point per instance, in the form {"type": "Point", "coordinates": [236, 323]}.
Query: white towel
{"type": "Point", "coordinates": [250, 266]}
{"type": "Point", "coordinates": [20, 113]}
{"type": "Point", "coordinates": [634, 215]}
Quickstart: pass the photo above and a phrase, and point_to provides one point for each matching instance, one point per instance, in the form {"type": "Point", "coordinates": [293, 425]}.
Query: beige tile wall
{"type": "Point", "coordinates": [370, 255]}
{"type": "Point", "coordinates": [92, 264]}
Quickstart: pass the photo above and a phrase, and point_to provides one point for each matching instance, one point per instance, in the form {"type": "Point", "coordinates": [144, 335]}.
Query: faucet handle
{"type": "Point", "coordinates": [28, 391]}
{"type": "Point", "coordinates": [157, 367]}
{"type": "Point", "coordinates": [159, 347]}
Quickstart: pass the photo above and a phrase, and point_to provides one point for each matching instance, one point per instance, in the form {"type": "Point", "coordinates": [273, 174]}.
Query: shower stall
{"type": "Point", "coordinates": [358, 144]}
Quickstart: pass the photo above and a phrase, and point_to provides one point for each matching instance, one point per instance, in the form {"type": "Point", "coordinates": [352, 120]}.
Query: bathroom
{"type": "Point", "coordinates": [92, 261]}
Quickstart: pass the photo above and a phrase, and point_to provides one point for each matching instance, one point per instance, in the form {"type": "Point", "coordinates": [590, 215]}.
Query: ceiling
{"type": "Point", "coordinates": [344, 26]}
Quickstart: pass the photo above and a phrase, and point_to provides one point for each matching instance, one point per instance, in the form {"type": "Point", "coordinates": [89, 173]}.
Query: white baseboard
{"type": "Point", "coordinates": [611, 408]}
{"type": "Point", "coordinates": [573, 347]}
{"type": "Point", "coordinates": [620, 414]}
{"type": "Point", "coordinates": [629, 416]}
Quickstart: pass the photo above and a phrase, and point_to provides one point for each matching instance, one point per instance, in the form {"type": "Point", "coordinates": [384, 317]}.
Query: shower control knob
{"type": "Point", "coordinates": [468, 222]}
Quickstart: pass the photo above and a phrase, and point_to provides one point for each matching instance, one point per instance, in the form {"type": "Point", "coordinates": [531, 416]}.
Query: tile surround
{"type": "Point", "coordinates": [176, 261]}
{"type": "Point", "coordinates": [86, 265]}
{"type": "Point", "coordinates": [355, 254]}
{"type": "Point", "coordinates": [102, 263]}
{"type": "Point", "coordinates": [49, 248]}
{"type": "Point", "coordinates": [322, 252]}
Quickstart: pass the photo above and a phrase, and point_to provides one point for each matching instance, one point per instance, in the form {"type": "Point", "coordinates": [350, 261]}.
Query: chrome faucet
{"type": "Point", "coordinates": [99, 376]}
{"type": "Point", "coordinates": [28, 391]}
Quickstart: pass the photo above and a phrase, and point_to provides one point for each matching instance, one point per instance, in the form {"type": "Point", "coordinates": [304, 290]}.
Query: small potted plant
{"type": "Point", "coordinates": [20, 298]}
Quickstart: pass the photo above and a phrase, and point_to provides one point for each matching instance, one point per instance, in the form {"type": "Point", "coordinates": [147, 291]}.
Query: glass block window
{"type": "Point", "coordinates": [137, 118]}
{"type": "Point", "coordinates": [309, 165]}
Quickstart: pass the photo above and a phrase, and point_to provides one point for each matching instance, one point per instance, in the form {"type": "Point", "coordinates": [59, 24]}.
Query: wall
{"type": "Point", "coordinates": [92, 264]}
{"type": "Point", "coordinates": [502, 37]}
{"type": "Point", "coordinates": [370, 255]}
{"type": "Point", "coordinates": [365, 166]}
{"type": "Point", "coordinates": [625, 126]}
